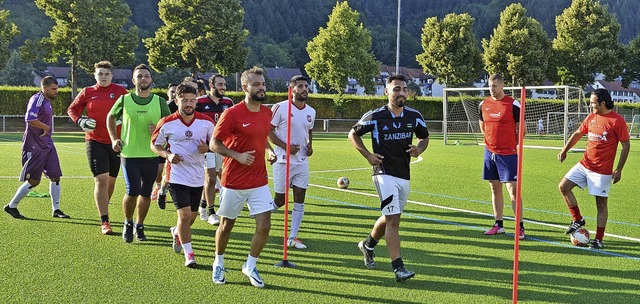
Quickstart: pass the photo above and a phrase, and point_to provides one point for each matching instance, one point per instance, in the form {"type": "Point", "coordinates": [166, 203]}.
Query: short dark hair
{"type": "Point", "coordinates": [396, 77]}
{"type": "Point", "coordinates": [141, 66]}
{"type": "Point", "coordinates": [172, 85]}
{"type": "Point", "coordinates": [47, 81]}
{"type": "Point", "coordinates": [604, 96]}
{"type": "Point", "coordinates": [185, 88]}
{"type": "Point", "coordinates": [104, 64]}
{"type": "Point", "coordinates": [213, 77]}
{"type": "Point", "coordinates": [244, 79]}
{"type": "Point", "coordinates": [496, 76]}
{"type": "Point", "coordinates": [201, 85]}
{"type": "Point", "coordinates": [297, 78]}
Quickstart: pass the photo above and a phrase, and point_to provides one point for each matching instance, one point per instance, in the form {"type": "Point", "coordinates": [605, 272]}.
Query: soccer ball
{"type": "Point", "coordinates": [343, 182]}
{"type": "Point", "coordinates": [580, 237]}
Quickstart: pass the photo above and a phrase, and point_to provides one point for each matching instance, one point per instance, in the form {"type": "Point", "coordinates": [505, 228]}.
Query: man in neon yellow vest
{"type": "Point", "coordinates": [140, 111]}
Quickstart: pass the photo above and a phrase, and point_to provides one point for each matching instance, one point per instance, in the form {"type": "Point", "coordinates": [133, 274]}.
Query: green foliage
{"type": "Point", "coordinates": [450, 49]}
{"type": "Point", "coordinates": [8, 30]}
{"type": "Point", "coordinates": [519, 48]}
{"type": "Point", "coordinates": [342, 50]}
{"type": "Point", "coordinates": [587, 43]}
{"type": "Point", "coordinates": [15, 99]}
{"type": "Point", "coordinates": [631, 62]}
{"type": "Point", "coordinates": [199, 35]}
{"type": "Point", "coordinates": [16, 72]}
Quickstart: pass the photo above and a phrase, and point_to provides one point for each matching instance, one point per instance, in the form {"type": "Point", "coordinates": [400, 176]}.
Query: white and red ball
{"type": "Point", "coordinates": [343, 182]}
{"type": "Point", "coordinates": [580, 237]}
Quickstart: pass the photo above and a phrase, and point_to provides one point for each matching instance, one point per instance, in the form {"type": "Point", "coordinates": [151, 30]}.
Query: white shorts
{"type": "Point", "coordinates": [598, 184]}
{"type": "Point", "coordinates": [298, 176]}
{"type": "Point", "coordinates": [393, 193]}
{"type": "Point", "coordinates": [231, 201]}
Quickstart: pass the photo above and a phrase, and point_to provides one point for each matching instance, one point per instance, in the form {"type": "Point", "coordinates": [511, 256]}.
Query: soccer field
{"type": "Point", "coordinates": [45, 260]}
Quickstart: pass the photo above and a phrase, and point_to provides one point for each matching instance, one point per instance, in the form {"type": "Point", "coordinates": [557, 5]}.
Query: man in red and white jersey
{"type": "Point", "coordinates": [186, 133]}
{"type": "Point", "coordinates": [241, 137]}
{"type": "Point", "coordinates": [499, 116]}
{"type": "Point", "coordinates": [212, 105]}
{"type": "Point", "coordinates": [302, 119]}
{"type": "Point", "coordinates": [605, 129]}
{"type": "Point", "coordinates": [97, 100]}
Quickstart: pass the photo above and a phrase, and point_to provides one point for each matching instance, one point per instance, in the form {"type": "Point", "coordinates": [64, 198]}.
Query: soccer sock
{"type": "Point", "coordinates": [575, 213]}
{"type": "Point", "coordinates": [54, 188]}
{"type": "Point", "coordinates": [187, 249]}
{"type": "Point", "coordinates": [599, 233]}
{"type": "Point", "coordinates": [203, 204]}
{"type": "Point", "coordinates": [138, 226]}
{"type": "Point", "coordinates": [251, 262]}
{"type": "Point", "coordinates": [22, 191]}
{"type": "Point", "coordinates": [212, 209]}
{"type": "Point", "coordinates": [219, 260]}
{"type": "Point", "coordinates": [370, 243]}
{"type": "Point", "coordinates": [397, 263]}
{"type": "Point", "coordinates": [104, 218]}
{"type": "Point", "coordinates": [522, 225]}
{"type": "Point", "coordinates": [162, 191]}
{"type": "Point", "coordinates": [296, 218]}
{"type": "Point", "coordinates": [500, 223]}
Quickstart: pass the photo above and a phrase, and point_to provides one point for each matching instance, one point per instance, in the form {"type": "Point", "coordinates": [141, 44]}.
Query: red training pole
{"type": "Point", "coordinates": [516, 247]}
{"type": "Point", "coordinates": [286, 176]}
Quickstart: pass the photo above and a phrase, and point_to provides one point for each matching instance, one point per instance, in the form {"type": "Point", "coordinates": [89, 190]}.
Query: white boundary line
{"type": "Point", "coordinates": [471, 212]}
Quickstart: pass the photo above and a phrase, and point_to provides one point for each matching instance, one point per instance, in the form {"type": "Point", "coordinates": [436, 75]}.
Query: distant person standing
{"type": "Point", "coordinates": [499, 116]}
{"type": "Point", "coordinates": [39, 155]}
{"type": "Point", "coordinates": [392, 128]}
{"type": "Point", "coordinates": [140, 111]}
{"type": "Point", "coordinates": [212, 105]}
{"type": "Point", "coordinates": [104, 163]}
{"type": "Point", "coordinates": [241, 137]}
{"type": "Point", "coordinates": [302, 119]}
{"type": "Point", "coordinates": [540, 126]}
{"type": "Point", "coordinates": [605, 129]}
{"type": "Point", "coordinates": [186, 133]}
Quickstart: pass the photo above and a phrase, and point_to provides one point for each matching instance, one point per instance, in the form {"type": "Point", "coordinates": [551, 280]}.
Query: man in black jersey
{"type": "Point", "coordinates": [392, 128]}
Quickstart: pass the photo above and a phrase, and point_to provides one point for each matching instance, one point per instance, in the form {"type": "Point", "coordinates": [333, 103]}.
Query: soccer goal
{"type": "Point", "coordinates": [634, 129]}
{"type": "Point", "coordinates": [552, 113]}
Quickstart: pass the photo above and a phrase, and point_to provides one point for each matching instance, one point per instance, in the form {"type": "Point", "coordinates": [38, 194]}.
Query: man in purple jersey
{"type": "Point", "coordinates": [38, 152]}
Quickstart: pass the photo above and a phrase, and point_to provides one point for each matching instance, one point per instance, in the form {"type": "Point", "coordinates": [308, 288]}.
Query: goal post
{"type": "Point", "coordinates": [552, 113]}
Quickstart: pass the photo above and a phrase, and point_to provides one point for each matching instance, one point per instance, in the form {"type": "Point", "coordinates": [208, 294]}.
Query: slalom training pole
{"type": "Point", "coordinates": [516, 247]}
{"type": "Point", "coordinates": [285, 261]}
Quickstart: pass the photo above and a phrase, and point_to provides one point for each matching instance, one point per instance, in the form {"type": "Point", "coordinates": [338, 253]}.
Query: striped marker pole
{"type": "Point", "coordinates": [516, 247]}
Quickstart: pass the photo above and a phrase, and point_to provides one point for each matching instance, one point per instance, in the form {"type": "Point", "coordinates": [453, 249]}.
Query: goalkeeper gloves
{"type": "Point", "coordinates": [87, 124]}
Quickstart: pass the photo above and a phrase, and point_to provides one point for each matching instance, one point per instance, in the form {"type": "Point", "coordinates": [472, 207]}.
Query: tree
{"type": "Point", "coordinates": [451, 50]}
{"type": "Point", "coordinates": [632, 62]}
{"type": "Point", "coordinates": [199, 35]}
{"type": "Point", "coordinates": [587, 43]}
{"type": "Point", "coordinates": [518, 49]}
{"type": "Point", "coordinates": [85, 32]}
{"type": "Point", "coordinates": [8, 30]}
{"type": "Point", "coordinates": [342, 50]}
{"type": "Point", "coordinates": [16, 72]}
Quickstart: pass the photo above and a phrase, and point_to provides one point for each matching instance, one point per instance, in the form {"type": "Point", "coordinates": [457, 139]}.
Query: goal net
{"type": "Point", "coordinates": [552, 113]}
{"type": "Point", "coordinates": [634, 129]}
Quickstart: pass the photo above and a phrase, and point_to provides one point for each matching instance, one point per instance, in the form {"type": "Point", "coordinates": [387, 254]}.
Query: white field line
{"type": "Point", "coordinates": [419, 159]}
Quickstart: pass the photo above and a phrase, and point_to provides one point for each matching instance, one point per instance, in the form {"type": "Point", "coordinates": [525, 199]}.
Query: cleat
{"type": "Point", "coordinates": [204, 213]}
{"type": "Point", "coordinates": [162, 201]}
{"type": "Point", "coordinates": [218, 275]}
{"type": "Point", "coordinates": [575, 226]}
{"type": "Point", "coordinates": [368, 256]}
{"type": "Point", "coordinates": [253, 275]}
{"type": "Point", "coordinates": [596, 244]}
{"type": "Point", "coordinates": [154, 193]}
{"type": "Point", "coordinates": [59, 214]}
{"type": "Point", "coordinates": [403, 274]}
{"type": "Point", "coordinates": [177, 246]}
{"type": "Point", "coordinates": [521, 234]}
{"type": "Point", "coordinates": [495, 230]}
{"type": "Point", "coordinates": [13, 212]}
{"type": "Point", "coordinates": [297, 243]}
{"type": "Point", "coordinates": [127, 232]}
{"type": "Point", "coordinates": [213, 219]}
{"type": "Point", "coordinates": [139, 232]}
{"type": "Point", "coordinates": [106, 228]}
{"type": "Point", "coordinates": [190, 260]}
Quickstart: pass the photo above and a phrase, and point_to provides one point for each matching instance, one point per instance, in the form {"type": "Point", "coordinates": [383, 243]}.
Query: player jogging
{"type": "Point", "coordinates": [605, 129]}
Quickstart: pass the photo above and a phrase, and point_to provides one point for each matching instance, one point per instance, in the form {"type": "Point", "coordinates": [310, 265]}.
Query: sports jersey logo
{"type": "Point", "coordinates": [397, 136]}
{"type": "Point", "coordinates": [597, 137]}
{"type": "Point", "coordinates": [188, 134]}
{"type": "Point", "coordinates": [495, 115]}
{"type": "Point", "coordinates": [245, 125]}
{"type": "Point", "coordinates": [397, 126]}
{"type": "Point", "coordinates": [33, 114]}
{"type": "Point", "coordinates": [309, 118]}
{"type": "Point", "coordinates": [385, 128]}
{"type": "Point", "coordinates": [409, 126]}
{"type": "Point", "coordinates": [93, 97]}
{"type": "Point", "coordinates": [112, 96]}
{"type": "Point", "coordinates": [206, 107]}
{"type": "Point", "coordinates": [224, 107]}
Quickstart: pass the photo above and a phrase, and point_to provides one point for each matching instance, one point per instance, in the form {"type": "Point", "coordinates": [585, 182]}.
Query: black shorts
{"type": "Point", "coordinates": [139, 175]}
{"type": "Point", "coordinates": [185, 196]}
{"type": "Point", "coordinates": [161, 160]}
{"type": "Point", "coordinates": [102, 159]}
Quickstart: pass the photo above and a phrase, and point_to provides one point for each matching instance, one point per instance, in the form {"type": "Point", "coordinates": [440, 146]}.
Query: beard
{"type": "Point", "coordinates": [217, 93]}
{"type": "Point", "coordinates": [399, 101]}
{"type": "Point", "coordinates": [300, 96]}
{"type": "Point", "coordinates": [144, 87]}
{"type": "Point", "coordinates": [262, 98]}
{"type": "Point", "coordinates": [188, 111]}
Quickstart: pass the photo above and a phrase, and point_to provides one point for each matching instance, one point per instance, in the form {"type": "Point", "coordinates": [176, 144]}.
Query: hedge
{"type": "Point", "coordinates": [13, 101]}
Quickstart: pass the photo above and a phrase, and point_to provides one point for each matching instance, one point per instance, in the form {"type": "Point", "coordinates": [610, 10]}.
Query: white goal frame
{"type": "Point", "coordinates": [446, 92]}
